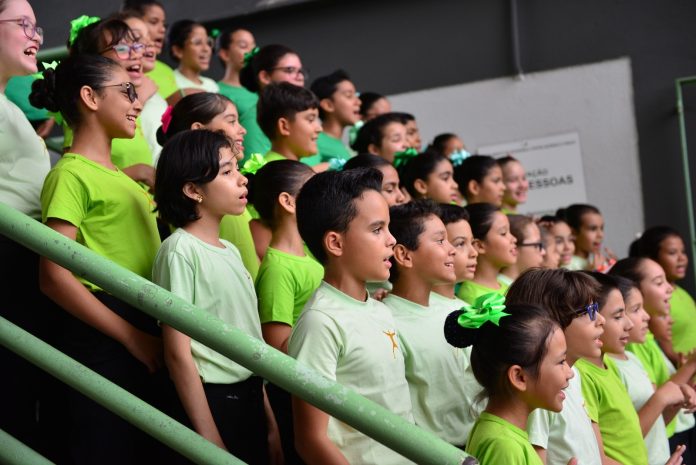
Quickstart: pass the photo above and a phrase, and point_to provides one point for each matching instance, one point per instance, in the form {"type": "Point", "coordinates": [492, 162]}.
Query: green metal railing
{"type": "Point", "coordinates": [13, 451]}
{"type": "Point", "coordinates": [344, 404]}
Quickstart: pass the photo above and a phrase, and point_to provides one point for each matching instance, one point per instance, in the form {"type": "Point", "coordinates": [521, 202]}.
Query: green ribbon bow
{"type": "Point", "coordinates": [250, 54]}
{"type": "Point", "coordinates": [488, 307]}
{"type": "Point", "coordinates": [254, 163]}
{"type": "Point", "coordinates": [457, 157]}
{"type": "Point", "coordinates": [214, 33]}
{"type": "Point", "coordinates": [400, 158]}
{"type": "Point", "coordinates": [78, 24]}
{"type": "Point", "coordinates": [52, 65]}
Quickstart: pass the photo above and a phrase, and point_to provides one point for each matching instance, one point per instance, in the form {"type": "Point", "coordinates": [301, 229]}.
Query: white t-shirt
{"type": "Point", "coordinates": [206, 83]}
{"type": "Point", "coordinates": [151, 120]}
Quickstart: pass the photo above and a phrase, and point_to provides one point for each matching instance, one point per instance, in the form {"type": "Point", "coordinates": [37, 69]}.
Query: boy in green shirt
{"type": "Point", "coordinates": [343, 333]}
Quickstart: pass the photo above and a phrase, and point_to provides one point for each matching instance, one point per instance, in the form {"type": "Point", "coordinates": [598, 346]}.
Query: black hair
{"type": "Point", "coordinates": [420, 167]}
{"type": "Point", "coordinates": [439, 142]}
{"type": "Point", "coordinates": [649, 243]}
{"type": "Point", "coordinates": [267, 59]}
{"type": "Point", "coordinates": [327, 203]}
{"type": "Point", "coordinates": [407, 223]}
{"type": "Point", "coordinates": [188, 157]}
{"type": "Point", "coordinates": [629, 268]}
{"type": "Point", "coordinates": [563, 293]}
{"type": "Point", "coordinates": [522, 338]}
{"type": "Point", "coordinates": [224, 40]}
{"type": "Point", "coordinates": [518, 224]}
{"type": "Point", "coordinates": [473, 168]}
{"type": "Point", "coordinates": [573, 214]}
{"type": "Point", "coordinates": [502, 161]}
{"type": "Point", "coordinates": [201, 107]}
{"type": "Point", "coordinates": [140, 6]}
{"type": "Point", "coordinates": [3, 5]}
{"type": "Point", "coordinates": [366, 160]}
{"type": "Point", "coordinates": [325, 86]}
{"type": "Point", "coordinates": [405, 117]}
{"type": "Point", "coordinates": [453, 213]}
{"type": "Point", "coordinates": [282, 100]}
{"type": "Point", "coordinates": [270, 181]}
{"type": "Point", "coordinates": [607, 283]}
{"type": "Point", "coordinates": [481, 217]}
{"type": "Point", "coordinates": [372, 131]}
{"type": "Point", "coordinates": [367, 99]}
{"type": "Point", "coordinates": [59, 90]}
{"type": "Point", "coordinates": [92, 38]}
{"type": "Point", "coordinates": [179, 33]}
{"type": "Point", "coordinates": [625, 286]}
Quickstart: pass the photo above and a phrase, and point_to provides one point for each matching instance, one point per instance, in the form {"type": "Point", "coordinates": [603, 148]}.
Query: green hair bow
{"type": "Point", "coordinates": [488, 307]}
{"type": "Point", "coordinates": [78, 24]}
{"type": "Point", "coordinates": [250, 54]}
{"type": "Point", "coordinates": [52, 65]}
{"type": "Point", "coordinates": [254, 163]}
{"type": "Point", "coordinates": [400, 158]}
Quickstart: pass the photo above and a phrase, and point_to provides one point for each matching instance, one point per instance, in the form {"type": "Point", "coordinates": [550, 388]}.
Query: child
{"type": "Point", "coordinates": [447, 143]}
{"type": "Point", "coordinates": [94, 95]}
{"type": "Point", "coordinates": [552, 258]}
{"type": "Point", "coordinates": [587, 225]}
{"type": "Point", "coordinates": [390, 177]}
{"type": "Point", "coordinates": [431, 176]}
{"type": "Point", "coordinates": [191, 48]}
{"type": "Point", "coordinates": [569, 298]}
{"type": "Point", "coordinates": [480, 180]}
{"type": "Point", "coordinates": [384, 136]}
{"type": "Point", "coordinates": [413, 138]}
{"type": "Point", "coordinates": [519, 357]}
{"type": "Point", "coordinates": [563, 238]}
{"type": "Point", "coordinates": [530, 247]}
{"type": "Point", "coordinates": [216, 112]}
{"type": "Point", "coordinates": [459, 234]}
{"type": "Point", "coordinates": [343, 333]}
{"type": "Point", "coordinates": [339, 108]}
{"type": "Point", "coordinates": [424, 258]}
{"type": "Point", "coordinates": [516, 184]}
{"type": "Point", "coordinates": [372, 105]}
{"type": "Point", "coordinates": [198, 183]}
{"type": "Point", "coordinates": [496, 247]}
{"type": "Point", "coordinates": [273, 64]}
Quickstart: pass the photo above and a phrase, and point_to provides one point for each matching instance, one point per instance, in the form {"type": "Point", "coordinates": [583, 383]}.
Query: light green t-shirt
{"type": "Point", "coordinates": [112, 213]}
{"type": "Point", "coordinates": [470, 291]}
{"type": "Point", "coordinates": [206, 84]}
{"type": "Point", "coordinates": [215, 280]}
{"type": "Point", "coordinates": [355, 343]}
{"type": "Point", "coordinates": [577, 264]}
{"type": "Point", "coordinates": [683, 311]}
{"type": "Point", "coordinates": [505, 280]}
{"type": "Point", "coordinates": [150, 121]}
{"type": "Point", "coordinates": [284, 285]}
{"type": "Point", "coordinates": [163, 75]}
{"type": "Point", "coordinates": [434, 369]}
{"type": "Point", "coordinates": [567, 433]}
{"type": "Point", "coordinates": [255, 141]}
{"type": "Point", "coordinates": [640, 389]}
{"type": "Point", "coordinates": [235, 229]}
{"type": "Point", "coordinates": [329, 148]}
{"type": "Point", "coordinates": [24, 161]}
{"type": "Point", "coordinates": [441, 301]}
{"type": "Point", "coordinates": [609, 405]}
{"type": "Point", "coordinates": [494, 441]}
{"type": "Point", "coordinates": [682, 421]}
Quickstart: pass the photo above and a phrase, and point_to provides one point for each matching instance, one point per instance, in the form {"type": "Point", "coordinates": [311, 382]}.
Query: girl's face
{"type": "Point", "coordinates": [116, 112]}
{"type": "Point", "coordinates": [17, 51]}
{"type": "Point", "coordinates": [589, 239]}
{"type": "Point", "coordinates": [565, 242]}
{"type": "Point", "coordinates": [195, 56]}
{"type": "Point", "coordinates": [288, 69]}
{"type": "Point", "coordinates": [490, 189]}
{"type": "Point", "coordinates": [393, 141]}
{"type": "Point", "coordinates": [379, 107]}
{"type": "Point", "coordinates": [226, 194]}
{"type": "Point", "coordinates": [516, 184]}
{"type": "Point", "coordinates": [346, 104]}
{"type": "Point", "coordinates": [413, 138]}
{"type": "Point", "coordinates": [617, 325]}
{"type": "Point", "coordinates": [638, 316]}
{"type": "Point", "coordinates": [552, 258]}
{"type": "Point", "coordinates": [434, 257]}
{"type": "Point", "coordinates": [155, 20]}
{"type": "Point", "coordinates": [584, 335]}
{"type": "Point", "coordinates": [242, 42]}
{"type": "Point", "coordinates": [673, 258]}
{"type": "Point", "coordinates": [303, 132]}
{"type": "Point", "coordinates": [460, 236]}
{"type": "Point", "coordinates": [228, 123]}
{"type": "Point", "coordinates": [129, 54]}
{"type": "Point", "coordinates": [390, 186]}
{"type": "Point", "coordinates": [531, 252]}
{"type": "Point", "coordinates": [453, 144]}
{"type": "Point", "coordinates": [142, 35]}
{"type": "Point", "coordinates": [499, 245]}
{"type": "Point", "coordinates": [655, 288]}
{"type": "Point", "coordinates": [440, 185]}
{"type": "Point", "coordinates": [546, 390]}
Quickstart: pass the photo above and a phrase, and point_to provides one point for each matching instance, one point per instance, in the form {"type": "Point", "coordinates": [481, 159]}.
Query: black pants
{"type": "Point", "coordinates": [687, 438]}
{"type": "Point", "coordinates": [281, 402]}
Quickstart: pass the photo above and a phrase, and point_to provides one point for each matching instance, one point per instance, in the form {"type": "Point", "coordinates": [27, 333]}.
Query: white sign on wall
{"type": "Point", "coordinates": [554, 170]}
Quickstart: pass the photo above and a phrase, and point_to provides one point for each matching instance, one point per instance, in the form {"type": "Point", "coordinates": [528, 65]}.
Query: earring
{"type": "Point", "coordinates": [199, 199]}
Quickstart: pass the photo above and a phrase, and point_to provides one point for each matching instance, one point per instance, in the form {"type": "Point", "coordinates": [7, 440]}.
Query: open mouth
{"type": "Point", "coordinates": [134, 70]}
{"type": "Point", "coordinates": [31, 52]}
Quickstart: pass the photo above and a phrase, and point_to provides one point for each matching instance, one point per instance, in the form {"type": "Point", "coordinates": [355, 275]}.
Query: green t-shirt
{"type": "Point", "coordinates": [355, 343]}
{"type": "Point", "coordinates": [24, 161]}
{"type": "Point", "coordinates": [215, 280]}
{"type": "Point", "coordinates": [435, 370]}
{"type": "Point", "coordinates": [235, 229]}
{"type": "Point", "coordinates": [494, 441]}
{"type": "Point", "coordinates": [112, 213]}
{"type": "Point", "coordinates": [640, 389]}
{"type": "Point", "coordinates": [255, 141]}
{"type": "Point", "coordinates": [129, 152]}
{"type": "Point", "coordinates": [470, 291]}
{"type": "Point", "coordinates": [329, 148]}
{"type": "Point", "coordinates": [17, 91]}
{"type": "Point", "coordinates": [683, 310]}
{"type": "Point", "coordinates": [284, 285]}
{"type": "Point", "coordinates": [610, 406]}
{"type": "Point", "coordinates": [577, 263]}
{"type": "Point", "coordinates": [163, 76]}
{"type": "Point", "coordinates": [273, 156]}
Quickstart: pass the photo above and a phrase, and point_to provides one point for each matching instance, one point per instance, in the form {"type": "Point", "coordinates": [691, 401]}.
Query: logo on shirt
{"type": "Point", "coordinates": [391, 334]}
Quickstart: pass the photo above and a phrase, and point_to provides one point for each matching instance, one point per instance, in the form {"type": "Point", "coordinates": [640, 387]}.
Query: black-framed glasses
{"type": "Point", "coordinates": [292, 70]}
{"type": "Point", "coordinates": [31, 30]}
{"type": "Point", "coordinates": [127, 88]}
{"type": "Point", "coordinates": [123, 51]}
{"type": "Point", "coordinates": [538, 245]}
{"type": "Point", "coordinates": [590, 309]}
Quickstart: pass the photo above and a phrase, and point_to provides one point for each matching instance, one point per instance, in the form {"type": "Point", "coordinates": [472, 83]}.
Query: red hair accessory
{"type": "Point", "coordinates": [167, 118]}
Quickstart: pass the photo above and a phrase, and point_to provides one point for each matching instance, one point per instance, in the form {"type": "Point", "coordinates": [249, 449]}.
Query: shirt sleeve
{"type": "Point", "coordinates": [275, 289]}
{"type": "Point", "coordinates": [64, 197]}
{"type": "Point", "coordinates": [539, 426]}
{"type": "Point", "coordinates": [591, 396]}
{"type": "Point", "coordinates": [501, 452]}
{"type": "Point", "coordinates": [175, 273]}
{"type": "Point", "coordinates": [316, 341]}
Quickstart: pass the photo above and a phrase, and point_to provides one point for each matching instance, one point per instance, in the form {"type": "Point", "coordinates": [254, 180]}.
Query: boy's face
{"type": "Point", "coordinates": [433, 260]}
{"type": "Point", "coordinates": [303, 131]}
{"type": "Point", "coordinates": [617, 325]}
{"type": "Point", "coordinates": [583, 336]}
{"type": "Point", "coordinates": [345, 104]}
{"type": "Point", "coordinates": [367, 243]}
{"type": "Point", "coordinates": [460, 236]}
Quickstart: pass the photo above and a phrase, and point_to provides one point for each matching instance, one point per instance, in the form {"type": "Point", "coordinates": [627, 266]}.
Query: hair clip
{"type": "Point", "coordinates": [400, 158]}
{"type": "Point", "coordinates": [78, 24]}
{"type": "Point", "coordinates": [250, 54]}
{"type": "Point", "coordinates": [337, 164]}
{"type": "Point", "coordinates": [253, 164]}
{"type": "Point", "coordinates": [488, 307]}
{"type": "Point", "coordinates": [458, 156]}
{"type": "Point", "coordinates": [167, 118]}
{"type": "Point", "coordinates": [214, 33]}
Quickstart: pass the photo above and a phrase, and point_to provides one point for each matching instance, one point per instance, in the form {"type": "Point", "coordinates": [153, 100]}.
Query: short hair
{"type": "Point", "coordinates": [518, 224]}
{"type": "Point", "coordinates": [325, 86]}
{"type": "Point", "coordinates": [649, 243]}
{"type": "Point", "coordinates": [573, 214]}
{"type": "Point", "coordinates": [607, 283]}
{"type": "Point", "coordinates": [405, 117]}
{"type": "Point", "coordinates": [630, 268]}
{"type": "Point", "coordinates": [372, 132]}
{"type": "Point", "coordinates": [267, 59]}
{"type": "Point", "coordinates": [270, 181]}
{"type": "Point", "coordinates": [140, 6]}
{"type": "Point", "coordinates": [327, 203]}
{"type": "Point", "coordinates": [439, 142]}
{"type": "Point", "coordinates": [282, 100]}
{"type": "Point", "coordinates": [407, 223]}
{"type": "Point", "coordinates": [200, 107]}
{"type": "Point", "coordinates": [420, 167]}
{"type": "Point", "coordinates": [189, 156]}
{"type": "Point", "coordinates": [473, 168]}
{"type": "Point", "coordinates": [452, 213]}
{"type": "Point", "coordinates": [481, 216]}
{"type": "Point", "coordinates": [367, 99]}
{"type": "Point", "coordinates": [366, 160]}
{"type": "Point", "coordinates": [561, 292]}
{"type": "Point", "coordinates": [179, 33]}
{"type": "Point", "coordinates": [92, 38]}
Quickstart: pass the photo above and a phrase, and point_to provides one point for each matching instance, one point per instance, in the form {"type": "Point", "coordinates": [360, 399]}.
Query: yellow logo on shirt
{"type": "Point", "coordinates": [391, 334]}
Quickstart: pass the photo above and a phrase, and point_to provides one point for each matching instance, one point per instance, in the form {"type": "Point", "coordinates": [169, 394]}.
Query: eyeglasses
{"type": "Point", "coordinates": [538, 245]}
{"type": "Point", "coordinates": [31, 30]}
{"type": "Point", "coordinates": [127, 88]}
{"type": "Point", "coordinates": [292, 70]}
{"type": "Point", "coordinates": [590, 309]}
{"type": "Point", "coordinates": [210, 42]}
{"type": "Point", "coordinates": [123, 51]}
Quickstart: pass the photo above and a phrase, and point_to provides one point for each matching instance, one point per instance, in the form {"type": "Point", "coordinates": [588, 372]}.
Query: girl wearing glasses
{"type": "Point", "coordinates": [190, 46]}
{"type": "Point", "coordinates": [530, 247]}
{"type": "Point", "coordinates": [88, 199]}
